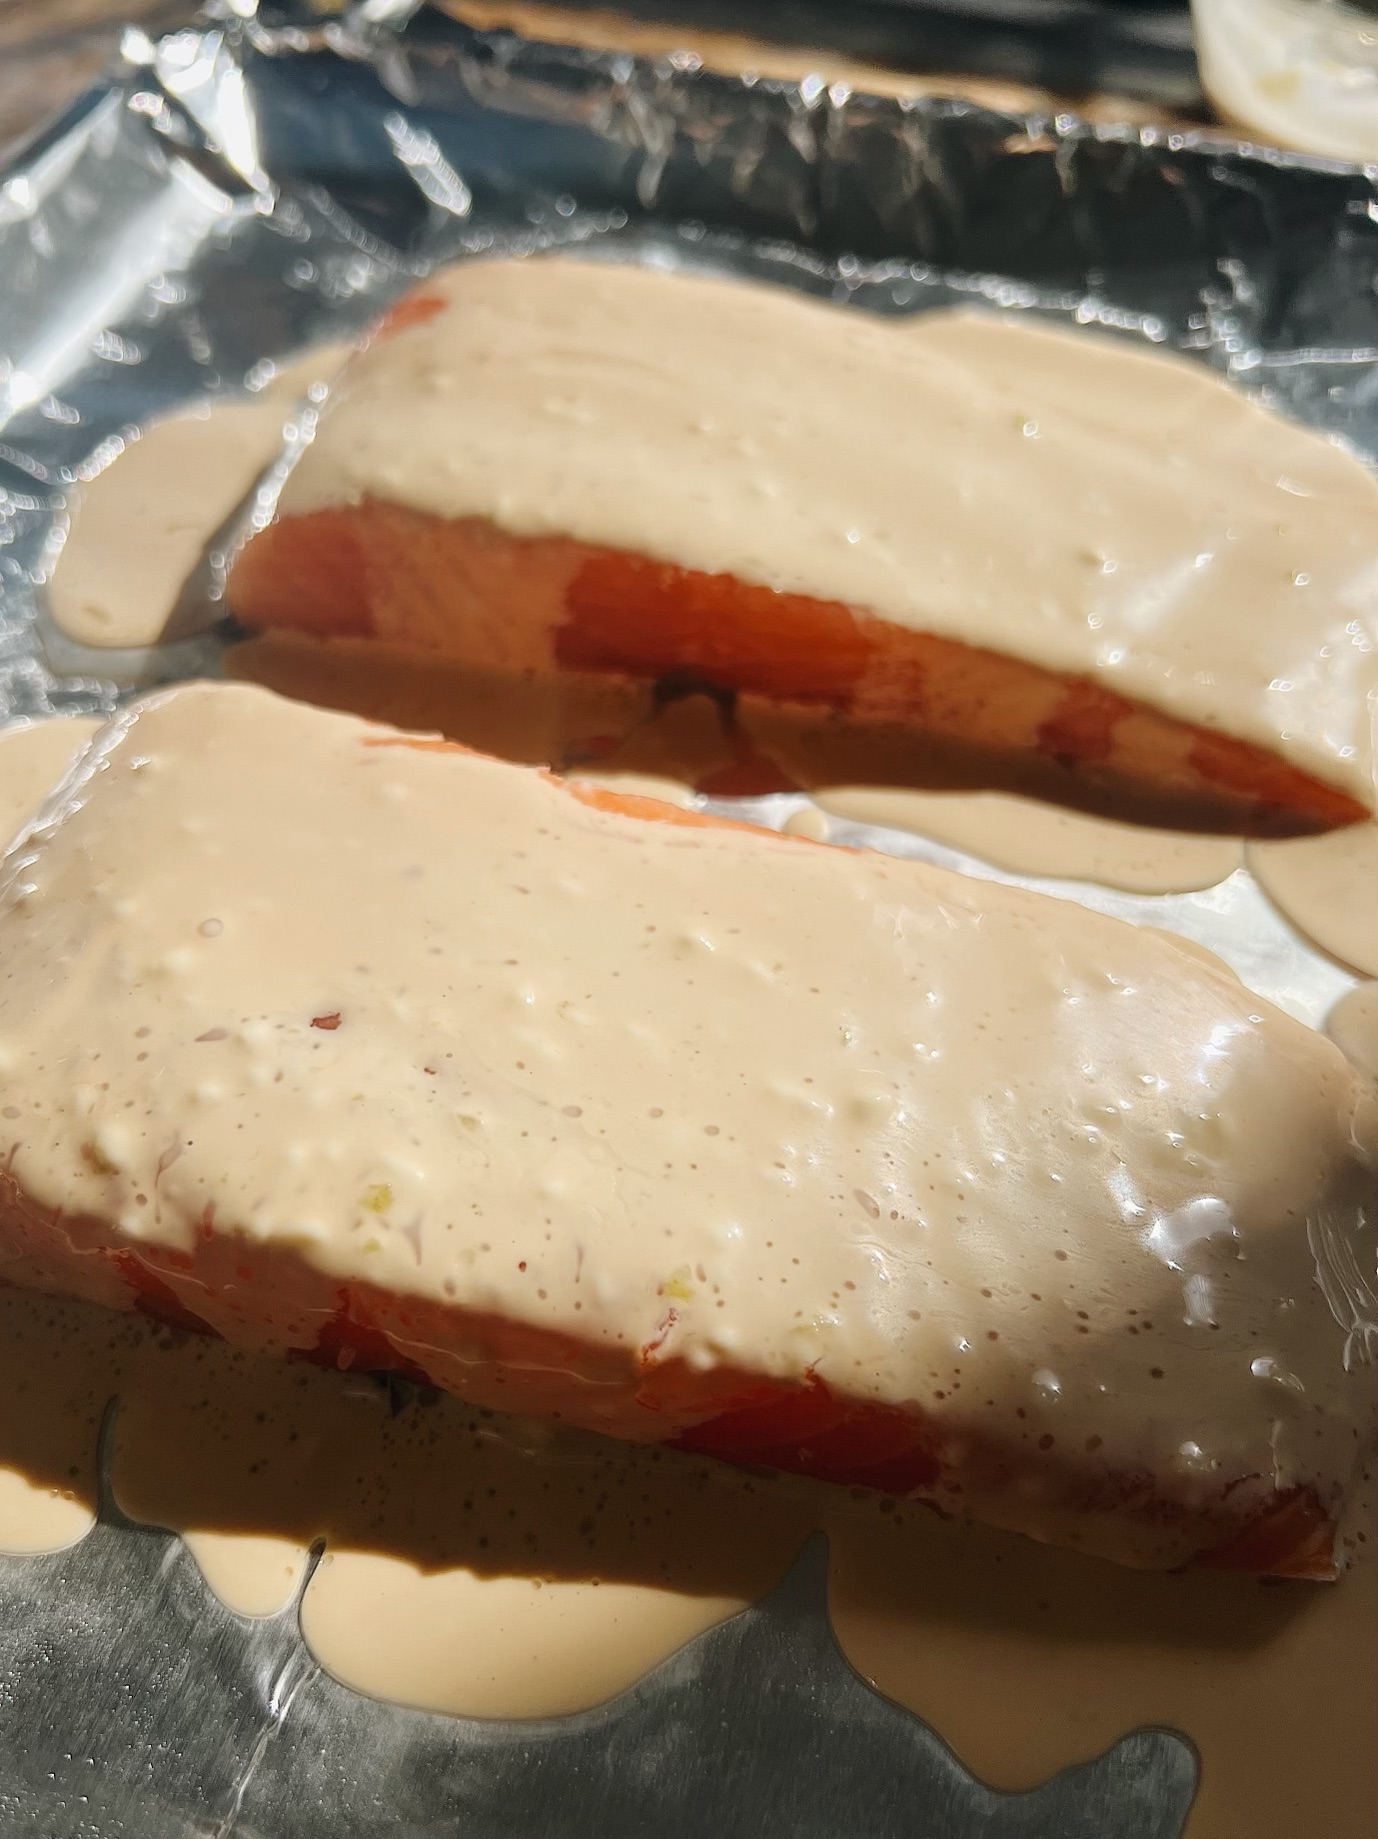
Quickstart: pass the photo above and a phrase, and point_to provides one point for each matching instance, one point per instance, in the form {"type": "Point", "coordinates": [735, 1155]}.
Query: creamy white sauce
{"type": "Point", "coordinates": [35, 1517]}
{"type": "Point", "coordinates": [34, 755]}
{"type": "Point", "coordinates": [138, 529]}
{"type": "Point", "coordinates": [1072, 501]}
{"type": "Point", "coordinates": [494, 1647]}
{"type": "Point", "coordinates": [477, 1035]}
{"type": "Point", "coordinates": [1328, 887]}
{"type": "Point", "coordinates": [1030, 838]}
{"type": "Point", "coordinates": [255, 1574]}
{"type": "Point", "coordinates": [808, 822]}
{"type": "Point", "coordinates": [1299, 73]}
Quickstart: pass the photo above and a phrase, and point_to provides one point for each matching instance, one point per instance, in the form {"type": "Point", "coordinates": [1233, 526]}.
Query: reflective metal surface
{"type": "Point", "coordinates": [268, 179]}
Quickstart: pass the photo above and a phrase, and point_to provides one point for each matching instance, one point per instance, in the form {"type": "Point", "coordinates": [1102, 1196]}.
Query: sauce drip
{"type": "Point", "coordinates": [956, 474]}
{"type": "Point", "coordinates": [1328, 887]}
{"type": "Point", "coordinates": [140, 528]}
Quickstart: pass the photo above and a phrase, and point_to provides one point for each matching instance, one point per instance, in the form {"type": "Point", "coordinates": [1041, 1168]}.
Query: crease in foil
{"type": "Point", "coordinates": [1350, 1286]}
{"type": "Point", "coordinates": [269, 178]}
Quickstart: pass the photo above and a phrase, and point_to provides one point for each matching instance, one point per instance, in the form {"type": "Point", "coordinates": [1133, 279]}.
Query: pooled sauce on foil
{"type": "Point", "coordinates": [491, 1567]}
{"type": "Point", "coordinates": [1328, 887]}
{"type": "Point", "coordinates": [33, 757]}
{"type": "Point", "coordinates": [139, 528]}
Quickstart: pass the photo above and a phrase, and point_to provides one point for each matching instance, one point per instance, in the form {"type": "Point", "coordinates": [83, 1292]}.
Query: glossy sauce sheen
{"type": "Point", "coordinates": [486, 1044]}
{"type": "Point", "coordinates": [957, 474]}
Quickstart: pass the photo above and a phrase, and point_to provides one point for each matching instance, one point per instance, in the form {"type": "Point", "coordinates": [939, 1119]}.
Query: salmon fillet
{"type": "Point", "coordinates": [407, 579]}
{"type": "Point", "coordinates": [359, 1047]}
{"type": "Point", "coordinates": [492, 488]}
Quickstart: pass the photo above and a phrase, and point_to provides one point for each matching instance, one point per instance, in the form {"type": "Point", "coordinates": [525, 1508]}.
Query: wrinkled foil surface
{"type": "Point", "coordinates": [268, 179]}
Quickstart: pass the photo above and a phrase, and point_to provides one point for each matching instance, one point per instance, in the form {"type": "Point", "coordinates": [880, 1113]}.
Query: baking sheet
{"type": "Point", "coordinates": [265, 180]}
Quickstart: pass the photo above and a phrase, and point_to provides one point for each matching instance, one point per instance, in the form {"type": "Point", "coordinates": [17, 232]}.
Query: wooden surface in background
{"type": "Point", "coordinates": [51, 49]}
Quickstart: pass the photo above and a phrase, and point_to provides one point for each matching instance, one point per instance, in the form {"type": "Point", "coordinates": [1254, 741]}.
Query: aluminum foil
{"type": "Point", "coordinates": [269, 178]}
